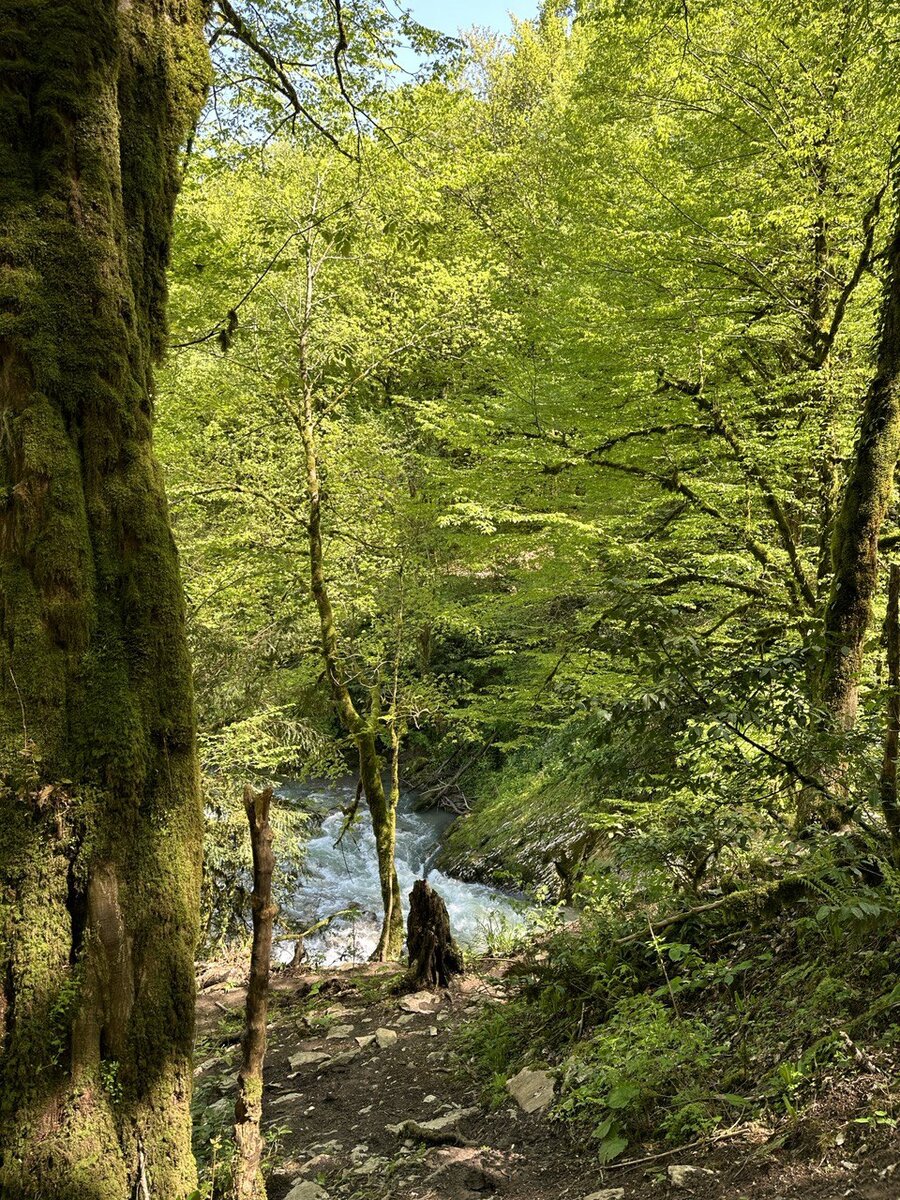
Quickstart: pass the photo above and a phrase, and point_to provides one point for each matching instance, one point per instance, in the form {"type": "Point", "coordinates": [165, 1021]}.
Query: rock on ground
{"type": "Point", "coordinates": [685, 1177]}
{"type": "Point", "coordinates": [307, 1058]}
{"type": "Point", "coordinates": [531, 1090]}
{"type": "Point", "coordinates": [305, 1190]}
{"type": "Point", "coordinates": [465, 1173]}
{"type": "Point", "coordinates": [421, 1002]}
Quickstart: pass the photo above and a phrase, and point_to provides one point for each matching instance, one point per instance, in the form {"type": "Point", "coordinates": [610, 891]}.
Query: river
{"type": "Point", "coordinates": [338, 876]}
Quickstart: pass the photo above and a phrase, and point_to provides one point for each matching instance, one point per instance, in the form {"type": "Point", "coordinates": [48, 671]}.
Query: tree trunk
{"type": "Point", "coordinates": [101, 829]}
{"type": "Point", "coordinates": [383, 811]}
{"type": "Point", "coordinates": [889, 805]}
{"type": "Point", "coordinates": [854, 548]}
{"type": "Point", "coordinates": [248, 1180]}
{"type": "Point", "coordinates": [363, 730]}
{"type": "Point", "coordinates": [434, 957]}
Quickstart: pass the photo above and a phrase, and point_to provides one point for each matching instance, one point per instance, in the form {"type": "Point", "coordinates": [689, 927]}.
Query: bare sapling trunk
{"type": "Point", "coordinates": [889, 804]}
{"type": "Point", "coordinates": [383, 811]}
{"type": "Point", "coordinates": [434, 957]}
{"type": "Point", "coordinates": [248, 1140]}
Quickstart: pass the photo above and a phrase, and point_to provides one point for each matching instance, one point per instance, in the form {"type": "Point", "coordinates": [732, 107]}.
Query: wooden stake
{"type": "Point", "coordinates": [248, 1141]}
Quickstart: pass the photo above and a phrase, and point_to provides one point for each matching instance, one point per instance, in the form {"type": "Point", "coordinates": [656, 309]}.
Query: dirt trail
{"type": "Point", "coordinates": [348, 1065]}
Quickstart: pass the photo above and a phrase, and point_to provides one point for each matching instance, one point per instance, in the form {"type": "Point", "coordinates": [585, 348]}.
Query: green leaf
{"type": "Point", "coordinates": [612, 1147]}
{"type": "Point", "coordinates": [622, 1095]}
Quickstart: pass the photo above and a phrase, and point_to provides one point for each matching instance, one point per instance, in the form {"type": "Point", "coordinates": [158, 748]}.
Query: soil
{"type": "Point", "coordinates": [328, 1120]}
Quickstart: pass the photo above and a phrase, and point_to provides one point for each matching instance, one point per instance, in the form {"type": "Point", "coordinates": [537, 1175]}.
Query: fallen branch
{"type": "Point", "coordinates": [735, 1131]}
{"type": "Point", "coordinates": [769, 891]}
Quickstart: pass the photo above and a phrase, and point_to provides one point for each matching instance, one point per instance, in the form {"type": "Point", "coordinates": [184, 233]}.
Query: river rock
{"type": "Point", "coordinates": [421, 1003]}
{"type": "Point", "coordinates": [531, 1090]}
{"type": "Point", "coordinates": [385, 1038]}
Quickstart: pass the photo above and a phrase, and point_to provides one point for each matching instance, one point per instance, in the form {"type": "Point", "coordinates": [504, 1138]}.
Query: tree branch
{"type": "Point", "coordinates": [752, 470]}
{"type": "Point", "coordinates": [244, 34]}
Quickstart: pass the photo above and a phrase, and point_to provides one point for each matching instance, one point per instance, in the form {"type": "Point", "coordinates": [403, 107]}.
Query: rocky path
{"type": "Point", "coordinates": [367, 1099]}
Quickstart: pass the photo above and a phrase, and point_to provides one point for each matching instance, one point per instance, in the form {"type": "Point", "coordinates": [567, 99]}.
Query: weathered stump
{"type": "Point", "coordinates": [434, 957]}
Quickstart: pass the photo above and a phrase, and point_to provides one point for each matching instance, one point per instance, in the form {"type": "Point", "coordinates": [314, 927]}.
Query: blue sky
{"type": "Point", "coordinates": [449, 17]}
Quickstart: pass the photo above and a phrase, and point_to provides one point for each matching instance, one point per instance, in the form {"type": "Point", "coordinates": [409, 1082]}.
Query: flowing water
{"type": "Point", "coordinates": [338, 876]}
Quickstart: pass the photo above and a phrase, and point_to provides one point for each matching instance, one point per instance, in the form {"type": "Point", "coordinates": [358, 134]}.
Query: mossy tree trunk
{"type": "Point", "coordinates": [889, 800]}
{"type": "Point", "coordinates": [100, 836]}
{"type": "Point", "coordinates": [854, 547]}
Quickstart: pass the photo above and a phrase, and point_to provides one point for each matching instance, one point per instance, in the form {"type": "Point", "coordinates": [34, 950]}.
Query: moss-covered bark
{"type": "Point", "coordinates": [100, 821]}
{"type": "Point", "coordinates": [854, 548]}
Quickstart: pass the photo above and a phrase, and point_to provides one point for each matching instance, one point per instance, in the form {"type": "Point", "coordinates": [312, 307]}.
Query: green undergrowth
{"type": "Point", "coordinates": [746, 1012]}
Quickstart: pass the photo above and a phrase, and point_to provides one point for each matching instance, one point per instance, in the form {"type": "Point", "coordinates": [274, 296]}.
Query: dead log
{"type": "Point", "coordinates": [248, 1141]}
{"type": "Point", "coordinates": [434, 957]}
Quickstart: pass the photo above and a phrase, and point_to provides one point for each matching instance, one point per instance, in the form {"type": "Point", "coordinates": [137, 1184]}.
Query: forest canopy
{"type": "Point", "coordinates": [591, 324]}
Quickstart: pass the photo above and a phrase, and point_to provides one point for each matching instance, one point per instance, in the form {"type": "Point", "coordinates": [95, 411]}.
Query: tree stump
{"type": "Point", "coordinates": [434, 957]}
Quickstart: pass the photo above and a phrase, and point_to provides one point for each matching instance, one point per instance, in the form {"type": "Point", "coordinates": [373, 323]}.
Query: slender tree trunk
{"type": "Point", "coordinates": [100, 817]}
{"type": "Point", "coordinates": [248, 1180]}
{"type": "Point", "coordinates": [889, 804]}
{"type": "Point", "coordinates": [363, 730]}
{"type": "Point", "coordinates": [854, 548]}
{"type": "Point", "coordinates": [383, 809]}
